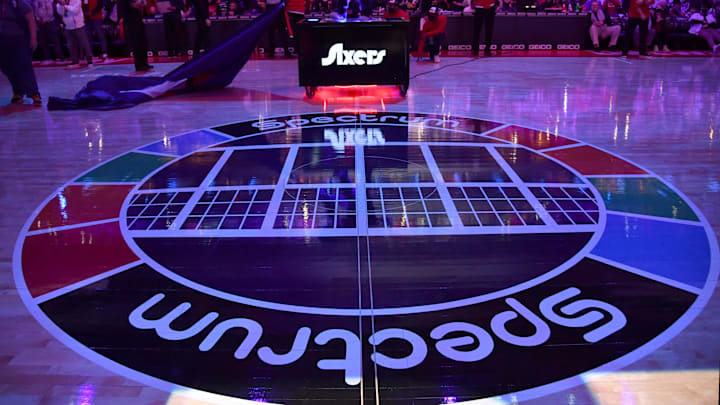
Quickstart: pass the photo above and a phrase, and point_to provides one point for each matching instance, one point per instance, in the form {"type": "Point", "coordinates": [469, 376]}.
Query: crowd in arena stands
{"type": "Point", "coordinates": [650, 22]}
{"type": "Point", "coordinates": [80, 23]}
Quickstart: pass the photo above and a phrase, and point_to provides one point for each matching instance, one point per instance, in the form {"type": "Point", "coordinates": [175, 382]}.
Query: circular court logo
{"type": "Point", "coordinates": [391, 256]}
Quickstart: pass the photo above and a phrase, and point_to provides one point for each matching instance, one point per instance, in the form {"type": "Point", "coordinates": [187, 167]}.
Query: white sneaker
{"type": "Point", "coordinates": [436, 58]}
{"type": "Point", "coordinates": [656, 49]}
{"type": "Point", "coordinates": [666, 49]}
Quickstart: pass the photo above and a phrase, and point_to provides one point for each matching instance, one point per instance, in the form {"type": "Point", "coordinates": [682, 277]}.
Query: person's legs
{"type": "Point", "coordinates": [595, 35]}
{"type": "Point", "coordinates": [74, 45]}
{"type": "Point", "coordinates": [43, 37]}
{"type": "Point", "coordinates": [432, 44]}
{"type": "Point", "coordinates": [629, 34]}
{"type": "Point", "coordinates": [135, 34]}
{"type": "Point", "coordinates": [24, 68]}
{"type": "Point", "coordinates": [53, 32]}
{"type": "Point", "coordinates": [82, 37]}
{"type": "Point", "coordinates": [477, 27]}
{"type": "Point", "coordinates": [614, 33]}
{"type": "Point", "coordinates": [202, 38]}
{"type": "Point", "coordinates": [643, 37]}
{"type": "Point", "coordinates": [489, 26]}
{"type": "Point", "coordinates": [8, 50]}
{"type": "Point", "coordinates": [97, 28]}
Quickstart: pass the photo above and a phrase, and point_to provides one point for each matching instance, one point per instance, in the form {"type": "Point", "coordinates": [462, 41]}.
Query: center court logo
{"type": "Point", "coordinates": [339, 56]}
{"type": "Point", "coordinates": [308, 257]}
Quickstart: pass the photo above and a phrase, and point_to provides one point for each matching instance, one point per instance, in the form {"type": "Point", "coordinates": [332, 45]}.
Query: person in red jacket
{"type": "Point", "coordinates": [93, 24]}
{"type": "Point", "coordinates": [638, 16]}
{"type": "Point", "coordinates": [393, 11]}
{"type": "Point", "coordinates": [484, 13]}
{"type": "Point", "coordinates": [433, 33]}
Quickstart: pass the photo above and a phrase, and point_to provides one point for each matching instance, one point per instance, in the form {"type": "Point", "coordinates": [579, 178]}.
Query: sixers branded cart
{"type": "Point", "coordinates": [353, 53]}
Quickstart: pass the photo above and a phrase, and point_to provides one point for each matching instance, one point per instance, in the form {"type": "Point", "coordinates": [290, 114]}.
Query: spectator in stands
{"type": "Point", "coordinates": [393, 11]}
{"type": "Point", "coordinates": [432, 33]}
{"type": "Point", "coordinates": [94, 23]}
{"type": "Point", "coordinates": [660, 17]}
{"type": "Point", "coordinates": [484, 14]}
{"type": "Point", "coordinates": [676, 9]}
{"type": "Point", "coordinates": [601, 27]}
{"type": "Point", "coordinates": [610, 7]}
{"type": "Point", "coordinates": [638, 16]}
{"type": "Point", "coordinates": [131, 14]}
{"type": "Point", "coordinates": [175, 31]}
{"type": "Point", "coordinates": [18, 40]}
{"type": "Point", "coordinates": [202, 18]}
{"type": "Point", "coordinates": [72, 15]}
{"type": "Point", "coordinates": [701, 25]}
{"type": "Point", "coordinates": [48, 29]}
{"type": "Point", "coordinates": [442, 5]}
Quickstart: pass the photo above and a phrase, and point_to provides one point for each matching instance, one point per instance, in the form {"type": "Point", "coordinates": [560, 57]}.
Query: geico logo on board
{"type": "Point", "coordinates": [540, 47]}
{"type": "Point", "coordinates": [353, 136]}
{"type": "Point", "coordinates": [605, 318]}
{"type": "Point", "coordinates": [341, 57]}
{"type": "Point", "coordinates": [459, 47]}
{"type": "Point", "coordinates": [568, 47]}
{"type": "Point", "coordinates": [513, 46]}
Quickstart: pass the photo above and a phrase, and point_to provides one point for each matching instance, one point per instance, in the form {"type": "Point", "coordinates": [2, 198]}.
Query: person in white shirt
{"type": "Point", "coordinates": [701, 25]}
{"type": "Point", "coordinates": [600, 27]}
{"type": "Point", "coordinates": [72, 16]}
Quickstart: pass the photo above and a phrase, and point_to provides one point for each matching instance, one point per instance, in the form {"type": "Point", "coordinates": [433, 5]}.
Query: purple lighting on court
{"type": "Point", "coordinates": [86, 394]}
{"type": "Point", "coordinates": [449, 400]}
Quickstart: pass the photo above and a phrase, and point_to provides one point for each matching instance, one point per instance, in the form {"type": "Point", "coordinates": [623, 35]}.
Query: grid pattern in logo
{"type": "Point", "coordinates": [568, 205]}
{"type": "Point", "coordinates": [229, 209]}
{"type": "Point", "coordinates": [327, 207]}
{"type": "Point", "coordinates": [493, 206]}
{"type": "Point", "coordinates": [155, 210]}
{"type": "Point", "coordinates": [403, 207]}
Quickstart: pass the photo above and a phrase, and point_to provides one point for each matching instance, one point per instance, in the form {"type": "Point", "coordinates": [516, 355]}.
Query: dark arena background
{"type": "Point", "coordinates": [416, 202]}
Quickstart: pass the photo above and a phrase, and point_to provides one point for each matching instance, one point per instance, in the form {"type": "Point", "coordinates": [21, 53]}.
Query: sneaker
{"type": "Point", "coordinates": [436, 59]}
{"type": "Point", "coordinates": [666, 49]}
{"type": "Point", "coordinates": [656, 48]}
{"type": "Point", "coordinates": [105, 56]}
{"type": "Point", "coordinates": [16, 99]}
{"type": "Point", "coordinates": [37, 100]}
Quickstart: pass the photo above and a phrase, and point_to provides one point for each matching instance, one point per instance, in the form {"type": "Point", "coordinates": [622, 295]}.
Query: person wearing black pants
{"type": "Point", "coordinates": [175, 34]}
{"type": "Point", "coordinates": [202, 19]}
{"type": "Point", "coordinates": [484, 15]}
{"type": "Point", "coordinates": [131, 14]}
{"type": "Point", "coordinates": [18, 40]}
{"type": "Point", "coordinates": [638, 16]}
{"type": "Point", "coordinates": [278, 26]}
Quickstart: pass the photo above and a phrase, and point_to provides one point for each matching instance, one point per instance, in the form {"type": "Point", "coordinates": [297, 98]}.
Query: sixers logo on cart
{"type": "Point", "coordinates": [337, 257]}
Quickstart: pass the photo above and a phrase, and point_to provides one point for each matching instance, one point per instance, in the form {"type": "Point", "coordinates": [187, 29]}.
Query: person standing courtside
{"type": "Point", "coordinates": [484, 14]}
{"type": "Point", "coordinates": [48, 29]}
{"type": "Point", "coordinates": [131, 15]}
{"type": "Point", "coordinates": [175, 35]}
{"type": "Point", "coordinates": [638, 16]}
{"type": "Point", "coordinates": [278, 26]}
{"type": "Point", "coordinates": [94, 24]}
{"type": "Point", "coordinates": [202, 20]}
{"type": "Point", "coordinates": [72, 16]}
{"type": "Point", "coordinates": [18, 40]}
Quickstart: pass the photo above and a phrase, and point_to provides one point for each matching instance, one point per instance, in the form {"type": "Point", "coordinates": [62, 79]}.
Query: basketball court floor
{"type": "Point", "coordinates": [515, 231]}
